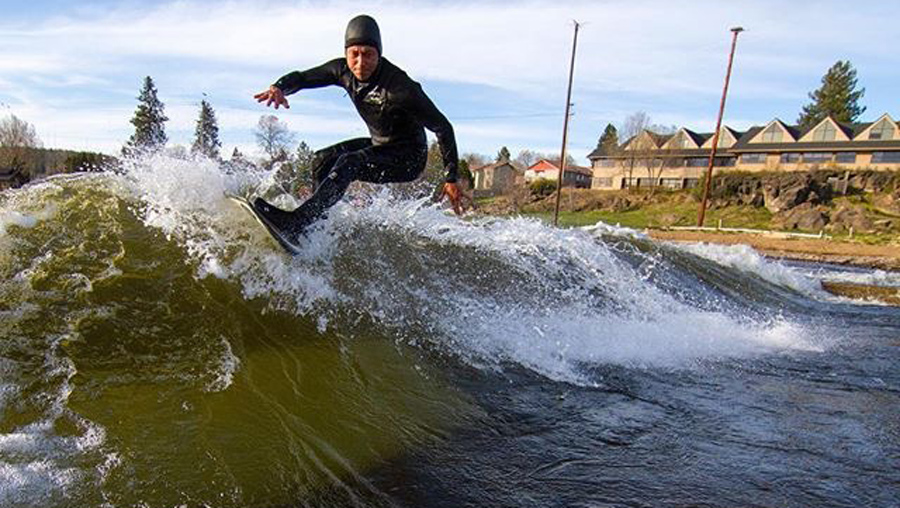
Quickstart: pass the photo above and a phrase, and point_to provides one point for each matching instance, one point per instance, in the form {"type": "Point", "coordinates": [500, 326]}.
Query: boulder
{"type": "Point", "coordinates": [778, 199]}
{"type": "Point", "coordinates": [789, 191]}
{"type": "Point", "coordinates": [852, 216]}
{"type": "Point", "coordinates": [805, 216]}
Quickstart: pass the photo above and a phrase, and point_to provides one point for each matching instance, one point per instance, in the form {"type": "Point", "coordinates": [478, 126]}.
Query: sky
{"type": "Point", "coordinates": [498, 70]}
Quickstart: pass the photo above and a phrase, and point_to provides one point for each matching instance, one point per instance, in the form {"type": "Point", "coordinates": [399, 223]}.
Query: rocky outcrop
{"type": "Point", "coordinates": [782, 193]}
{"type": "Point", "coordinates": [805, 216]}
{"type": "Point", "coordinates": [855, 217]}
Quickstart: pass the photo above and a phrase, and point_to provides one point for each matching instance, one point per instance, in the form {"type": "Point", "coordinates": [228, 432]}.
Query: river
{"type": "Point", "coordinates": [157, 349]}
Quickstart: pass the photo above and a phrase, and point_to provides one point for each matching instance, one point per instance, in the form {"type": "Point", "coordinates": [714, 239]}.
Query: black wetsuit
{"type": "Point", "coordinates": [396, 110]}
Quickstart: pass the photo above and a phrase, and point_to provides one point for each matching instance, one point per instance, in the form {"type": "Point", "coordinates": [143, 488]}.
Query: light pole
{"type": "Point", "coordinates": [715, 142]}
{"type": "Point", "coordinates": [562, 160]}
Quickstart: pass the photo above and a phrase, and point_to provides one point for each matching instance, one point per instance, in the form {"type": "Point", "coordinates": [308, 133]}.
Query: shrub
{"type": "Point", "coordinates": [542, 187]}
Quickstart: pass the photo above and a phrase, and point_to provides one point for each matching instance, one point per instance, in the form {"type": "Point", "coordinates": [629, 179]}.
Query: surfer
{"type": "Point", "coordinates": [396, 111]}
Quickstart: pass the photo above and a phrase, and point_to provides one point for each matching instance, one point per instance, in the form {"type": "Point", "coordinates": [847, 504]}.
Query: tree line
{"type": "Point", "coordinates": [21, 148]}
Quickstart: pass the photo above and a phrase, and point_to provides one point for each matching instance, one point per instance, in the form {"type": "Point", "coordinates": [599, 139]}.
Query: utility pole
{"type": "Point", "coordinates": [562, 160]}
{"type": "Point", "coordinates": [715, 143]}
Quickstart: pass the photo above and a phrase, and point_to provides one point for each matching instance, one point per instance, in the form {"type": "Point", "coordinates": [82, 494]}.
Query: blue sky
{"type": "Point", "coordinates": [498, 70]}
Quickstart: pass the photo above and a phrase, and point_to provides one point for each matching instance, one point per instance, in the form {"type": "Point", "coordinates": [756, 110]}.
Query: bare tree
{"type": "Point", "coordinates": [525, 158]}
{"type": "Point", "coordinates": [273, 136]}
{"type": "Point", "coordinates": [634, 146]}
{"type": "Point", "coordinates": [18, 140]}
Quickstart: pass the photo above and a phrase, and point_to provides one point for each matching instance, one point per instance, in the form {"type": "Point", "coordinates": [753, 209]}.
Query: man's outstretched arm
{"type": "Point", "coordinates": [436, 122]}
{"type": "Point", "coordinates": [317, 77]}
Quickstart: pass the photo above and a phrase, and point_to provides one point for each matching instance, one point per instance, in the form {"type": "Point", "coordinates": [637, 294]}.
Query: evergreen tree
{"type": "Point", "coordinates": [465, 174]}
{"type": "Point", "coordinates": [434, 172]}
{"type": "Point", "coordinates": [837, 97]}
{"type": "Point", "coordinates": [609, 140]}
{"type": "Point", "coordinates": [206, 136]}
{"type": "Point", "coordinates": [149, 119]}
{"type": "Point", "coordinates": [303, 163]}
{"type": "Point", "coordinates": [503, 155]}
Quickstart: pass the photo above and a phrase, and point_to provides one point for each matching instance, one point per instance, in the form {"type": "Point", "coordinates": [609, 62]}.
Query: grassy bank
{"type": "Point", "coordinates": [664, 209]}
{"type": "Point", "coordinates": [661, 215]}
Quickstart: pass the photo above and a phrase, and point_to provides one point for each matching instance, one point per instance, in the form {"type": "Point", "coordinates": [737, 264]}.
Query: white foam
{"type": "Point", "coordinates": [34, 483]}
{"type": "Point", "coordinates": [24, 220]}
{"type": "Point", "coordinates": [637, 324]}
{"type": "Point", "coordinates": [865, 277]}
{"type": "Point", "coordinates": [602, 228]}
{"type": "Point", "coordinates": [748, 260]}
{"type": "Point", "coordinates": [228, 366]}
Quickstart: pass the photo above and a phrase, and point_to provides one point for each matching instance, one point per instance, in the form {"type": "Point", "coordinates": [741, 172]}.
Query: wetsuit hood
{"type": "Point", "coordinates": [363, 31]}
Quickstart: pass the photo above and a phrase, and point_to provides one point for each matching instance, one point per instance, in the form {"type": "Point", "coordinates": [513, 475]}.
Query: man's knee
{"type": "Point", "coordinates": [345, 167]}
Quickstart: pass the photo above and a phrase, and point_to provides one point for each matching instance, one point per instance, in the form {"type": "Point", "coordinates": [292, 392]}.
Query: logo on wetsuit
{"type": "Point", "coordinates": [375, 98]}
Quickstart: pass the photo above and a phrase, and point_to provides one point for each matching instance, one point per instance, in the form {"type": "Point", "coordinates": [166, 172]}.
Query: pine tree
{"type": "Point", "coordinates": [149, 119]}
{"type": "Point", "coordinates": [503, 155]}
{"type": "Point", "coordinates": [304, 162]}
{"type": "Point", "coordinates": [837, 97]}
{"type": "Point", "coordinates": [206, 136]}
{"type": "Point", "coordinates": [609, 140]}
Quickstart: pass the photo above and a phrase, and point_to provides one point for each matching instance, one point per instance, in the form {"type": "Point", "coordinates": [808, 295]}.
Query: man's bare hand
{"type": "Point", "coordinates": [454, 194]}
{"type": "Point", "coordinates": [273, 95]}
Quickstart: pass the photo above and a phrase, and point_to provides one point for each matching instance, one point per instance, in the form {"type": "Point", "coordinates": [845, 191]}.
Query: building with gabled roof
{"type": "Point", "coordinates": [682, 158]}
{"type": "Point", "coordinates": [575, 176]}
{"type": "Point", "coordinates": [496, 178]}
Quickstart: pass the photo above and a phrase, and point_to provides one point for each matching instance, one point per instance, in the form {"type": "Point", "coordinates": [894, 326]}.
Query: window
{"type": "Point", "coordinates": [825, 132]}
{"type": "Point", "coordinates": [690, 183]}
{"type": "Point", "coordinates": [697, 162]}
{"type": "Point", "coordinates": [885, 157]}
{"type": "Point", "coordinates": [678, 141]}
{"type": "Point", "coordinates": [882, 130]}
{"type": "Point", "coordinates": [725, 162]}
{"type": "Point", "coordinates": [724, 142]}
{"type": "Point", "coordinates": [670, 183]}
{"type": "Point", "coordinates": [674, 162]}
{"type": "Point", "coordinates": [754, 158]}
{"type": "Point", "coordinates": [790, 158]}
{"type": "Point", "coordinates": [817, 157]}
{"type": "Point", "coordinates": [845, 157]}
{"type": "Point", "coordinates": [772, 135]}
{"type": "Point", "coordinates": [602, 182]}
{"type": "Point", "coordinates": [646, 182]}
{"type": "Point", "coordinates": [606, 163]}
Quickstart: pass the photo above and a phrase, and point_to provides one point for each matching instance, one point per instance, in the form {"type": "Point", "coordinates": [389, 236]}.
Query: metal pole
{"type": "Point", "coordinates": [715, 143]}
{"type": "Point", "coordinates": [562, 160]}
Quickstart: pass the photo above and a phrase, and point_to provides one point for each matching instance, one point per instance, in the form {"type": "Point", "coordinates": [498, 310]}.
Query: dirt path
{"type": "Point", "coordinates": [885, 257]}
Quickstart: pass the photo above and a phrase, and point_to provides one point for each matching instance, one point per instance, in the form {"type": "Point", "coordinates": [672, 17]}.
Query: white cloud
{"type": "Point", "coordinates": [78, 69]}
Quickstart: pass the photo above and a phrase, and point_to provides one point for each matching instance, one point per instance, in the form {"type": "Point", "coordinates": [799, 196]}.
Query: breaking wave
{"type": "Point", "coordinates": [123, 276]}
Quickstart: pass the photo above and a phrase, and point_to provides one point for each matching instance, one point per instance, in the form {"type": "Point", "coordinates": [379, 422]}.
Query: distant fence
{"type": "Point", "coordinates": [764, 232]}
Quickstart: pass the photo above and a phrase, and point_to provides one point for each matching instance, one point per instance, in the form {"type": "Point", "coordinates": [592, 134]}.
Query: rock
{"type": "Point", "coordinates": [778, 199]}
{"type": "Point", "coordinates": [884, 225]}
{"type": "Point", "coordinates": [805, 216]}
{"type": "Point", "coordinates": [788, 191]}
{"type": "Point", "coordinates": [854, 216]}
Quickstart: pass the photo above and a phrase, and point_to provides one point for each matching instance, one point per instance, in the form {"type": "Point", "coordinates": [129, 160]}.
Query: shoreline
{"type": "Point", "coordinates": [882, 257]}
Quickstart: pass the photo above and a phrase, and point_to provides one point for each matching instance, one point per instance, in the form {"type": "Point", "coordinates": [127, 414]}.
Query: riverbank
{"type": "Point", "coordinates": [884, 257]}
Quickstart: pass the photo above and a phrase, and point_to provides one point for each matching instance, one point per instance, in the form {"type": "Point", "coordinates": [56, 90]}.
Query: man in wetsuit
{"type": "Point", "coordinates": [395, 110]}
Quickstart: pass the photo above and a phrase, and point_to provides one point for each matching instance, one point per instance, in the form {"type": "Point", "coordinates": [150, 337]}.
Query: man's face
{"type": "Point", "coordinates": [362, 61]}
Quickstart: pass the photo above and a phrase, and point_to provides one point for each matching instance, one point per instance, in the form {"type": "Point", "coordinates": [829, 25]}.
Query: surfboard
{"type": "Point", "coordinates": [289, 241]}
